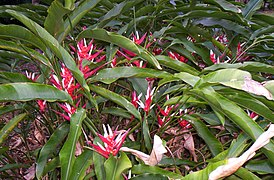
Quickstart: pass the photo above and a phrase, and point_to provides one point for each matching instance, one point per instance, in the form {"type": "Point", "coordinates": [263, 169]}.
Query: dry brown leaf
{"type": "Point", "coordinates": [256, 88]}
{"type": "Point", "coordinates": [79, 149]}
{"type": "Point", "coordinates": [189, 145]}
{"type": "Point", "coordinates": [234, 164]}
{"type": "Point", "coordinates": [30, 173]}
{"type": "Point", "coordinates": [156, 155]}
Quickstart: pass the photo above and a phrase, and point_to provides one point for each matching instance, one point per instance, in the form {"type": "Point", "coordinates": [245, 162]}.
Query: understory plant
{"type": "Point", "coordinates": [111, 89]}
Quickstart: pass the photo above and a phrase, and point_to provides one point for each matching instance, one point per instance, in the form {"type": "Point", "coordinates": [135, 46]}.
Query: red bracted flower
{"type": "Point", "coordinates": [213, 58]}
{"type": "Point", "coordinates": [157, 51]}
{"type": "Point", "coordinates": [67, 81]}
{"type": "Point", "coordinates": [182, 122]}
{"type": "Point", "coordinates": [253, 115]}
{"type": "Point", "coordinates": [42, 105]}
{"type": "Point", "coordinates": [177, 56]}
{"type": "Point", "coordinates": [147, 106]}
{"type": "Point", "coordinates": [135, 99]}
{"type": "Point", "coordinates": [68, 109]}
{"type": "Point", "coordinates": [164, 112]}
{"type": "Point", "coordinates": [241, 55]}
{"type": "Point", "coordinates": [113, 141]}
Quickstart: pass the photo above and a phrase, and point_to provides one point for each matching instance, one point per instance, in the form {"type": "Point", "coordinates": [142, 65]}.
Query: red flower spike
{"type": "Point", "coordinates": [177, 56]}
{"type": "Point", "coordinates": [157, 51]}
{"type": "Point", "coordinates": [113, 62]}
{"type": "Point", "coordinates": [147, 106]}
{"type": "Point", "coordinates": [137, 40]}
{"type": "Point", "coordinates": [42, 105]}
{"type": "Point", "coordinates": [253, 115]}
{"type": "Point", "coordinates": [113, 141]}
{"type": "Point", "coordinates": [134, 99]}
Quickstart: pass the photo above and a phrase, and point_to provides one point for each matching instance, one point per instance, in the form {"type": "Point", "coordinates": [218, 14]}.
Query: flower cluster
{"type": "Point", "coordinates": [113, 141]}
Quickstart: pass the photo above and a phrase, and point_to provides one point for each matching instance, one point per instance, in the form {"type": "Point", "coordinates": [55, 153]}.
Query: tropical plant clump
{"type": "Point", "coordinates": [98, 89]}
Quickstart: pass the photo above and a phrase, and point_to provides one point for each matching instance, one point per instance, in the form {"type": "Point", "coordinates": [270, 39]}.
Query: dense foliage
{"type": "Point", "coordinates": [90, 88]}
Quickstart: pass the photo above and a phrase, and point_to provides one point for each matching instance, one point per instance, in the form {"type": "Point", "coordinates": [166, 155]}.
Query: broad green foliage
{"type": "Point", "coordinates": [199, 74]}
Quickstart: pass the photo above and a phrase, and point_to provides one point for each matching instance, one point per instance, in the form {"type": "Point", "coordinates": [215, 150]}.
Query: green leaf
{"type": "Point", "coordinates": [52, 165]}
{"type": "Point", "coordinates": [81, 164]}
{"type": "Point", "coordinates": [4, 133]}
{"type": "Point", "coordinates": [110, 75]}
{"type": "Point", "coordinates": [115, 167]}
{"type": "Point", "coordinates": [234, 78]}
{"type": "Point", "coordinates": [113, 13]}
{"type": "Point", "coordinates": [10, 108]}
{"type": "Point", "coordinates": [225, 5]}
{"type": "Point", "coordinates": [117, 112]}
{"type": "Point", "coordinates": [67, 153]}
{"type": "Point", "coordinates": [247, 66]}
{"type": "Point", "coordinates": [251, 7]}
{"type": "Point", "coordinates": [248, 101]}
{"type": "Point", "coordinates": [32, 91]}
{"type": "Point", "coordinates": [21, 33]}
{"type": "Point", "coordinates": [50, 147]}
{"type": "Point", "coordinates": [269, 85]}
{"type": "Point", "coordinates": [149, 176]}
{"type": "Point", "coordinates": [116, 98]}
{"type": "Point", "coordinates": [212, 142]}
{"type": "Point", "coordinates": [262, 31]}
{"type": "Point", "coordinates": [188, 78]}
{"type": "Point", "coordinates": [142, 169]}
{"type": "Point", "coordinates": [146, 134]}
{"type": "Point", "coordinates": [69, 4]}
{"type": "Point", "coordinates": [204, 174]}
{"type": "Point", "coordinates": [120, 41]}
{"type": "Point", "coordinates": [98, 161]}
{"type": "Point", "coordinates": [235, 114]}
{"type": "Point", "coordinates": [245, 174]}
{"type": "Point", "coordinates": [227, 24]}
{"type": "Point", "coordinates": [11, 77]}
{"type": "Point", "coordinates": [238, 145]}
{"type": "Point", "coordinates": [7, 167]}
{"type": "Point", "coordinates": [176, 65]}
{"type": "Point", "coordinates": [54, 22]}
{"type": "Point", "coordinates": [75, 16]}
{"type": "Point", "coordinates": [12, 46]}
{"type": "Point", "coordinates": [260, 166]}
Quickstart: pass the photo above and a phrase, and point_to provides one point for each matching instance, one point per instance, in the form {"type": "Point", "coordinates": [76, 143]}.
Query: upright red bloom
{"type": "Point", "coordinates": [135, 99]}
{"type": "Point", "coordinates": [113, 141]}
{"type": "Point", "coordinates": [177, 56]}
{"type": "Point", "coordinates": [147, 105]}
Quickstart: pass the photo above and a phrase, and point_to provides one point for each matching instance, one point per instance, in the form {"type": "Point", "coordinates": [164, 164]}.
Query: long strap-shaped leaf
{"type": "Point", "coordinates": [235, 114]}
{"type": "Point", "coordinates": [109, 75]}
{"type": "Point", "coordinates": [11, 46]}
{"type": "Point", "coordinates": [117, 99]}
{"type": "Point", "coordinates": [10, 126]}
{"type": "Point", "coordinates": [67, 153]}
{"type": "Point", "coordinates": [76, 16]}
{"type": "Point", "coordinates": [31, 91]}
{"type": "Point", "coordinates": [251, 7]}
{"type": "Point", "coordinates": [81, 164]}
{"type": "Point", "coordinates": [121, 41]}
{"type": "Point", "coordinates": [116, 166]}
{"type": "Point", "coordinates": [212, 142]}
{"type": "Point", "coordinates": [54, 22]}
{"type": "Point", "coordinates": [50, 147]}
{"type": "Point", "coordinates": [21, 33]}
